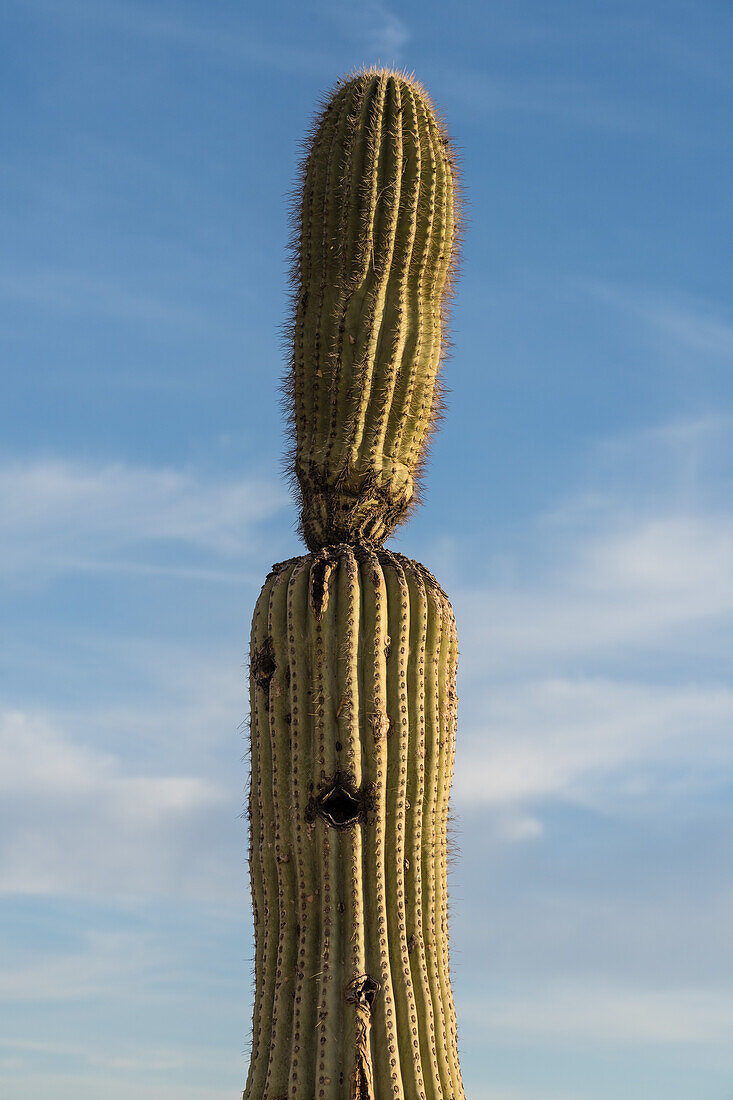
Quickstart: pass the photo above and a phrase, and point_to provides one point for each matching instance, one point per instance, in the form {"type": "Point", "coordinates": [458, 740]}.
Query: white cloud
{"type": "Point", "coordinates": [57, 515]}
{"type": "Point", "coordinates": [516, 827]}
{"type": "Point", "coordinates": [83, 293]}
{"type": "Point", "coordinates": [75, 820]}
{"type": "Point", "coordinates": [681, 322]}
{"type": "Point", "coordinates": [379, 31]}
{"type": "Point", "coordinates": [384, 32]}
{"type": "Point", "coordinates": [597, 664]}
{"type": "Point", "coordinates": [122, 1058]}
{"type": "Point", "coordinates": [103, 960]}
{"type": "Point", "coordinates": [232, 40]}
{"type": "Point", "coordinates": [92, 1086]}
{"type": "Point", "coordinates": [608, 1015]}
{"type": "Point", "coordinates": [629, 581]}
{"type": "Point", "coordinates": [560, 737]}
{"type": "Point", "coordinates": [563, 98]}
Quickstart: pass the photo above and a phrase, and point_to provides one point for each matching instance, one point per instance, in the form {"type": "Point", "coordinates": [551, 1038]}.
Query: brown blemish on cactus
{"type": "Point", "coordinates": [362, 991]}
{"type": "Point", "coordinates": [320, 579]}
{"type": "Point", "coordinates": [263, 664]}
{"type": "Point", "coordinates": [379, 721]}
{"type": "Point", "coordinates": [362, 1076]}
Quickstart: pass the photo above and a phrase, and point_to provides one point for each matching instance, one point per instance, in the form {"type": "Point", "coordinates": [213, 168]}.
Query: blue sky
{"type": "Point", "coordinates": [578, 510]}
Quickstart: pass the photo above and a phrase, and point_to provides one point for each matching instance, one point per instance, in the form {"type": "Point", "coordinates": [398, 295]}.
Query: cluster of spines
{"type": "Point", "coordinates": [353, 666]}
{"type": "Point", "coordinates": [373, 254]}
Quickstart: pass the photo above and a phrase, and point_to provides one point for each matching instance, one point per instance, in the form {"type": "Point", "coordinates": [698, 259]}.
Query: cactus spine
{"type": "Point", "coordinates": [353, 648]}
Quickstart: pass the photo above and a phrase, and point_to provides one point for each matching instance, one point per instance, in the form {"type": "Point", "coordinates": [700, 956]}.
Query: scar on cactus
{"type": "Point", "coordinates": [353, 648]}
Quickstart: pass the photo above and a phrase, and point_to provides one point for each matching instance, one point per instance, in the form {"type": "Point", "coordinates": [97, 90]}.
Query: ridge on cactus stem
{"type": "Point", "coordinates": [353, 648]}
{"type": "Point", "coordinates": [374, 249]}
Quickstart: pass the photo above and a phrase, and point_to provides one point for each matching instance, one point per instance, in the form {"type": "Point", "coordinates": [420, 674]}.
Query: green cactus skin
{"type": "Point", "coordinates": [353, 662]}
{"type": "Point", "coordinates": [353, 649]}
{"type": "Point", "coordinates": [373, 251]}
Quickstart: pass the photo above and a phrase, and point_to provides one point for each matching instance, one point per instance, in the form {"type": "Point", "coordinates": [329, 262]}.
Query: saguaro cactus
{"type": "Point", "coordinates": [353, 649]}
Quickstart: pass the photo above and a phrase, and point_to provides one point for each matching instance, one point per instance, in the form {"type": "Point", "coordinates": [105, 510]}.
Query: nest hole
{"type": "Point", "coordinates": [339, 807]}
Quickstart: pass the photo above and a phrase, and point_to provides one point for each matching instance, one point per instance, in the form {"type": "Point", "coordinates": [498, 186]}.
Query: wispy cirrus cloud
{"type": "Point", "coordinates": [134, 1065]}
{"type": "Point", "coordinates": [90, 1086]}
{"type": "Point", "coordinates": [58, 516]}
{"type": "Point", "coordinates": [91, 294]}
{"type": "Point", "coordinates": [233, 40]}
{"type": "Point", "coordinates": [101, 959]}
{"type": "Point", "coordinates": [619, 744]}
{"type": "Point", "coordinates": [380, 32]}
{"type": "Point", "coordinates": [610, 1015]}
{"type": "Point", "coordinates": [683, 324]}
{"type": "Point", "coordinates": [623, 580]}
{"type": "Point", "coordinates": [596, 673]}
{"type": "Point", "coordinates": [78, 820]}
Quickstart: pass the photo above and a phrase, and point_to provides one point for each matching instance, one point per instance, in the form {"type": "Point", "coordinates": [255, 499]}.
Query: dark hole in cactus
{"type": "Point", "coordinates": [263, 664]}
{"type": "Point", "coordinates": [339, 807]}
{"type": "Point", "coordinates": [340, 802]}
{"type": "Point", "coordinates": [362, 991]}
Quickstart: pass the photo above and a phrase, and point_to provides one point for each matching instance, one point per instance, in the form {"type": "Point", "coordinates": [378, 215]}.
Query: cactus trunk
{"type": "Point", "coordinates": [353, 650]}
{"type": "Point", "coordinates": [353, 737]}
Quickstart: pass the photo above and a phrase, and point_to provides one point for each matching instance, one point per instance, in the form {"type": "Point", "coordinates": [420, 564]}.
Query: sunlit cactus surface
{"type": "Point", "coordinates": [353, 648]}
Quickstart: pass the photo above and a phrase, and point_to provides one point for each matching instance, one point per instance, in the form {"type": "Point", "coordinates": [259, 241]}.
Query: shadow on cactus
{"type": "Point", "coordinates": [353, 649]}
